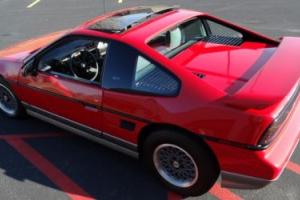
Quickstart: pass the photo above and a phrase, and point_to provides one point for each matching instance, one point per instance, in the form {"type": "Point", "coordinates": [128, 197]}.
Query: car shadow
{"type": "Point", "coordinates": [100, 171]}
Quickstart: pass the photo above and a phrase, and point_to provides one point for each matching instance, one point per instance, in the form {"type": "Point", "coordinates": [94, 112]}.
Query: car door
{"type": "Point", "coordinates": [65, 84]}
{"type": "Point", "coordinates": [134, 86]}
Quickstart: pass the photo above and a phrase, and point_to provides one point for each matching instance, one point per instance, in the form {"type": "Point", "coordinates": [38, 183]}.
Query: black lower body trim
{"type": "Point", "coordinates": [80, 129]}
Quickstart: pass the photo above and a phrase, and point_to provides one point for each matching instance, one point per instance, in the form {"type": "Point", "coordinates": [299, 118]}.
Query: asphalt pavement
{"type": "Point", "coordinates": [40, 161]}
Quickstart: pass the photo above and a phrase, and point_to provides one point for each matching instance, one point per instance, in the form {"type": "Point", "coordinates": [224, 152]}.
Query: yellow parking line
{"type": "Point", "coordinates": [33, 3]}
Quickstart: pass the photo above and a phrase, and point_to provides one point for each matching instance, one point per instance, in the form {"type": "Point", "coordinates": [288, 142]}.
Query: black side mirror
{"type": "Point", "coordinates": [29, 68]}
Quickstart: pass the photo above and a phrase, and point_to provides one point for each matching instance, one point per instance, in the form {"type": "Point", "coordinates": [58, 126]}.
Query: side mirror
{"type": "Point", "coordinates": [29, 68]}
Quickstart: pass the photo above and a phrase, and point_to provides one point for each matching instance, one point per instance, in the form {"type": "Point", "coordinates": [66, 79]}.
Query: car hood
{"type": "Point", "coordinates": [19, 51]}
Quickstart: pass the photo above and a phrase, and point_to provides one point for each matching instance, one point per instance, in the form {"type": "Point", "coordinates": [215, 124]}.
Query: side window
{"type": "Point", "coordinates": [127, 70]}
{"type": "Point", "coordinates": [218, 33]}
{"type": "Point", "coordinates": [78, 58]}
{"type": "Point", "coordinates": [153, 79]}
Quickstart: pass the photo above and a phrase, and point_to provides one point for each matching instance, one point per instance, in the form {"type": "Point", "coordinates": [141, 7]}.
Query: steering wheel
{"type": "Point", "coordinates": [84, 65]}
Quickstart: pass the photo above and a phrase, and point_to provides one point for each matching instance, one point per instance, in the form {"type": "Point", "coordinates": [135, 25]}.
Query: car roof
{"type": "Point", "coordinates": [123, 20]}
{"type": "Point", "coordinates": [148, 21]}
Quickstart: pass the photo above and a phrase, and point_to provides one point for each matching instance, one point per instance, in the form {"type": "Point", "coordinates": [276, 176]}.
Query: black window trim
{"type": "Point", "coordinates": [144, 93]}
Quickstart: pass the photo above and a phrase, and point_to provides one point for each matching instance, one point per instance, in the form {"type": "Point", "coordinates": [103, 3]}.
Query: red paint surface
{"type": "Point", "coordinates": [68, 99]}
{"type": "Point", "coordinates": [234, 66]}
{"type": "Point", "coordinates": [71, 189]}
{"type": "Point", "coordinates": [269, 163]}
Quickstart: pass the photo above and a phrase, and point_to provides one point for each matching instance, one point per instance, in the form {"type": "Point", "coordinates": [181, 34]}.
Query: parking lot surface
{"type": "Point", "coordinates": [40, 161]}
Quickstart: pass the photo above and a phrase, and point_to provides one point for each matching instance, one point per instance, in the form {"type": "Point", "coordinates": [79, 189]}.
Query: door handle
{"type": "Point", "coordinates": [91, 107]}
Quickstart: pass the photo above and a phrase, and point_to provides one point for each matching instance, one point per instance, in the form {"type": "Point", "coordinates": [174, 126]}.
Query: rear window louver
{"type": "Point", "coordinates": [232, 41]}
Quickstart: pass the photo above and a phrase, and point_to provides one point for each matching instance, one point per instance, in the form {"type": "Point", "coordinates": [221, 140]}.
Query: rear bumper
{"type": "Point", "coordinates": [251, 169]}
{"type": "Point", "coordinates": [240, 181]}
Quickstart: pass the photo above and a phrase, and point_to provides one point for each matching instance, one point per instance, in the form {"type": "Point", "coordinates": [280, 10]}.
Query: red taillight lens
{"type": "Point", "coordinates": [269, 135]}
{"type": "Point", "coordinates": [273, 130]}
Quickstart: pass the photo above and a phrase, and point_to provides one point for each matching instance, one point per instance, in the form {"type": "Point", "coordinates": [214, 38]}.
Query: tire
{"type": "Point", "coordinates": [9, 103]}
{"type": "Point", "coordinates": [184, 165]}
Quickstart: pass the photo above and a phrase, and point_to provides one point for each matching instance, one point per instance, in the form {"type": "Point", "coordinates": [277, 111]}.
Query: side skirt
{"type": "Point", "coordinates": [81, 130]}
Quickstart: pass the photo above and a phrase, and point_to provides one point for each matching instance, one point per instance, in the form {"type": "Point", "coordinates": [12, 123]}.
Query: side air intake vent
{"type": "Point", "coordinates": [199, 75]}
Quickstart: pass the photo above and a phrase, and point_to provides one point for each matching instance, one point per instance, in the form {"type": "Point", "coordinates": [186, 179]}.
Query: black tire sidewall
{"type": "Point", "coordinates": [20, 110]}
{"type": "Point", "coordinates": [205, 161]}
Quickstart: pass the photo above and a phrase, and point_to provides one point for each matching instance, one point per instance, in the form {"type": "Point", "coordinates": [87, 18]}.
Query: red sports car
{"type": "Point", "coordinates": [191, 95]}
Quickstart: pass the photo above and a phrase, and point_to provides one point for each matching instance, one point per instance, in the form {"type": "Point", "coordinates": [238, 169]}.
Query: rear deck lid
{"type": "Point", "coordinates": [253, 74]}
{"type": "Point", "coordinates": [226, 67]}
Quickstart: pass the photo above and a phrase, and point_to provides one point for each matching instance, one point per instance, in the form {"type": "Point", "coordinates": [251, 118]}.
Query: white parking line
{"type": "Point", "coordinates": [33, 3]}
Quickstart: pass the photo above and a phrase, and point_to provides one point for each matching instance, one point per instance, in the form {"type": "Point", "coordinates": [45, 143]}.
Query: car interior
{"type": "Point", "coordinates": [80, 59]}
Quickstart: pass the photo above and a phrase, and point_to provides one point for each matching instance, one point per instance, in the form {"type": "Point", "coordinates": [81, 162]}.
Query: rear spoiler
{"type": "Point", "coordinates": [274, 81]}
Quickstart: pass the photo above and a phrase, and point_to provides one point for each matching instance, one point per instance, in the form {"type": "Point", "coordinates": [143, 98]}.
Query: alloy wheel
{"type": "Point", "coordinates": [175, 165]}
{"type": "Point", "coordinates": [8, 102]}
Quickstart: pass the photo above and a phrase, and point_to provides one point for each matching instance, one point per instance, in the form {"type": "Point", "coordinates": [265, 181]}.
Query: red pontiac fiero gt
{"type": "Point", "coordinates": [190, 94]}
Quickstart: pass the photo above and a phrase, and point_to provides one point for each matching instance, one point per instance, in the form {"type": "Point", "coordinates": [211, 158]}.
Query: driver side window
{"type": "Point", "coordinates": [76, 58]}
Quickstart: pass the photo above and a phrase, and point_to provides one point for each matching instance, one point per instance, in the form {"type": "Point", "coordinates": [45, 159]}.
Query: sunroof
{"type": "Point", "coordinates": [124, 20]}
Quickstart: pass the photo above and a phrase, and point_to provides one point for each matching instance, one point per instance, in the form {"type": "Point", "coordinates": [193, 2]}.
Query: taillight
{"type": "Point", "coordinates": [272, 131]}
{"type": "Point", "coordinates": [270, 134]}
